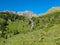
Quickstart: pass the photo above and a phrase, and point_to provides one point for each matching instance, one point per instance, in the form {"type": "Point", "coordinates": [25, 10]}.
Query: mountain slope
{"type": "Point", "coordinates": [16, 29]}
{"type": "Point", "coordinates": [38, 37]}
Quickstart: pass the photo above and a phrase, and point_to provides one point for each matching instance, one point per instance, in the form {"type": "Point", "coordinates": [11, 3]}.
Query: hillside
{"type": "Point", "coordinates": [15, 29]}
{"type": "Point", "coordinates": [50, 36]}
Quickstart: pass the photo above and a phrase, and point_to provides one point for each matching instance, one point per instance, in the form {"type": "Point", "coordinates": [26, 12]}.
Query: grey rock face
{"type": "Point", "coordinates": [26, 13]}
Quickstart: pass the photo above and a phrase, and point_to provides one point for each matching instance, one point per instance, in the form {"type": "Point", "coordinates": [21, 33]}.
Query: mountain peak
{"type": "Point", "coordinates": [26, 13]}
{"type": "Point", "coordinates": [54, 9]}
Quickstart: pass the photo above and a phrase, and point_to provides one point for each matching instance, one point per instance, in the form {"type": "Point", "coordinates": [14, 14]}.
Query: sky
{"type": "Point", "coordinates": [36, 6]}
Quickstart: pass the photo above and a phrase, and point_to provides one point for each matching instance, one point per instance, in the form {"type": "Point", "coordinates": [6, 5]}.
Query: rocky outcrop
{"type": "Point", "coordinates": [26, 13]}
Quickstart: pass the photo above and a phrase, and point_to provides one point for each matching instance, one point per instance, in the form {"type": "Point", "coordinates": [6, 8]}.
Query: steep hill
{"type": "Point", "coordinates": [49, 36]}
{"type": "Point", "coordinates": [15, 29]}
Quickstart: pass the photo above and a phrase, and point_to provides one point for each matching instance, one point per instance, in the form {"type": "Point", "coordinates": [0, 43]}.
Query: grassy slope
{"type": "Point", "coordinates": [42, 34]}
{"type": "Point", "coordinates": [50, 36]}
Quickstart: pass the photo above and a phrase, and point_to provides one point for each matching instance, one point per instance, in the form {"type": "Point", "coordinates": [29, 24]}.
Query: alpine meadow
{"type": "Point", "coordinates": [27, 28]}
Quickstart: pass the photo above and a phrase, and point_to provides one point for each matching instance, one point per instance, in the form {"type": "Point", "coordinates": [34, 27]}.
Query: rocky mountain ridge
{"type": "Point", "coordinates": [30, 14]}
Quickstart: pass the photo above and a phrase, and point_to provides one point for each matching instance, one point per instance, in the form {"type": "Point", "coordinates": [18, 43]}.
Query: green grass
{"type": "Point", "coordinates": [16, 30]}
{"type": "Point", "coordinates": [37, 37]}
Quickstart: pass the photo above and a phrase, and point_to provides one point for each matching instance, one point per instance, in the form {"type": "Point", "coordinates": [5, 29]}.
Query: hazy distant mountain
{"type": "Point", "coordinates": [26, 13]}
{"type": "Point", "coordinates": [10, 11]}
{"type": "Point", "coordinates": [30, 14]}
